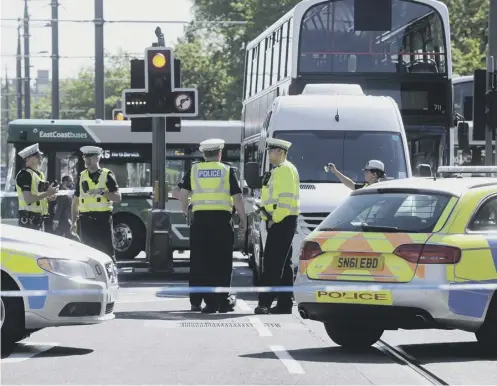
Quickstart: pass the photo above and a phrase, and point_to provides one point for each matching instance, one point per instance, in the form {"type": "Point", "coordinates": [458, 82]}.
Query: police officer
{"type": "Point", "coordinates": [214, 190]}
{"type": "Point", "coordinates": [95, 190]}
{"type": "Point", "coordinates": [33, 191]}
{"type": "Point", "coordinates": [373, 172]}
{"type": "Point", "coordinates": [281, 207]}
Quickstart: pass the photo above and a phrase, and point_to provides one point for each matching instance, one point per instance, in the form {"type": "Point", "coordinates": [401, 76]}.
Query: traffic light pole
{"type": "Point", "coordinates": [159, 141]}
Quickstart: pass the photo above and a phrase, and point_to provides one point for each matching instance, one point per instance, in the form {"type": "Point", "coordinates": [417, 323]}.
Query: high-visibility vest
{"type": "Point", "coordinates": [41, 206]}
{"type": "Point", "coordinates": [98, 203]}
{"type": "Point", "coordinates": [280, 197]}
{"type": "Point", "coordinates": [210, 182]}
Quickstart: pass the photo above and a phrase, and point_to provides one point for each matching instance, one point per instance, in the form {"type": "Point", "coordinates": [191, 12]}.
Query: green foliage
{"type": "Point", "coordinates": [77, 95]}
{"type": "Point", "coordinates": [469, 34]}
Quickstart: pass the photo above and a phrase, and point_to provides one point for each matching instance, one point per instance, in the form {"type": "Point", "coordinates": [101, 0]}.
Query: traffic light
{"type": "Point", "coordinates": [159, 78]}
{"type": "Point", "coordinates": [118, 115]}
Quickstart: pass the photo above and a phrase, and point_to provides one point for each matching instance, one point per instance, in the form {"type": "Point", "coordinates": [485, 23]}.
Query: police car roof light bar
{"type": "Point", "coordinates": [467, 169]}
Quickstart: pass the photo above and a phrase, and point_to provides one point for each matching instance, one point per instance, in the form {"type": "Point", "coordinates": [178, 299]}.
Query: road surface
{"type": "Point", "coordinates": [159, 341]}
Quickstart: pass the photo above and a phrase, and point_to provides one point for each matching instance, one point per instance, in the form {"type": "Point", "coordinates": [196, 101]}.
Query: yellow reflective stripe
{"type": "Point", "coordinates": [445, 214]}
{"type": "Point", "coordinates": [14, 262]}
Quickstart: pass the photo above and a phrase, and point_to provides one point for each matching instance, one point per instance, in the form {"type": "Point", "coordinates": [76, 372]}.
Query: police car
{"type": "Point", "coordinates": [78, 284]}
{"type": "Point", "coordinates": [413, 237]}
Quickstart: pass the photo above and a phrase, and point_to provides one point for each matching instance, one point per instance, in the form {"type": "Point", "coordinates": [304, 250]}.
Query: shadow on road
{"type": "Point", "coordinates": [329, 354]}
{"type": "Point", "coordinates": [176, 315]}
{"type": "Point", "coordinates": [423, 353]}
{"type": "Point", "coordinates": [56, 351]}
{"type": "Point", "coordinates": [448, 352]}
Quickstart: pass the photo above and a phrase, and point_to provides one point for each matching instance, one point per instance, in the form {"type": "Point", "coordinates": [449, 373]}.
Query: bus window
{"type": "Point", "coordinates": [330, 43]}
{"type": "Point", "coordinates": [131, 174]}
{"type": "Point", "coordinates": [66, 165]}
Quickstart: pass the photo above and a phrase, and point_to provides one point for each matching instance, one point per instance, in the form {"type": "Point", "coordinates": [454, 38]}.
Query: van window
{"type": "Point", "coordinates": [349, 150]}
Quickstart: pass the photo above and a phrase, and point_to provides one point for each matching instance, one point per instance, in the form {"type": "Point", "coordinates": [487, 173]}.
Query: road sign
{"type": "Point", "coordinates": [163, 101]}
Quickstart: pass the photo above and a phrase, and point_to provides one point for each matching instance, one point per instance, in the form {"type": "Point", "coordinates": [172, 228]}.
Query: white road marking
{"type": "Point", "coordinates": [243, 306]}
{"type": "Point", "coordinates": [291, 364]}
{"type": "Point", "coordinates": [146, 301]}
{"type": "Point", "coordinates": [259, 326]}
{"type": "Point", "coordinates": [34, 349]}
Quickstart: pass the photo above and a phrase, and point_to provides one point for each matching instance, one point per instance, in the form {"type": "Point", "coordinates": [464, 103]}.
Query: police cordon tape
{"type": "Point", "coordinates": [164, 291]}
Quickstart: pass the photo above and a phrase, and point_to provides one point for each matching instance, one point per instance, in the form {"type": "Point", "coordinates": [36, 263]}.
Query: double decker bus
{"type": "Point", "coordinates": [396, 48]}
{"type": "Point", "coordinates": [129, 155]}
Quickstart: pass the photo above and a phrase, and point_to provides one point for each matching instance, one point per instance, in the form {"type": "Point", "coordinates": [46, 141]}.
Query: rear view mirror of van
{"type": "Point", "coordinates": [251, 175]}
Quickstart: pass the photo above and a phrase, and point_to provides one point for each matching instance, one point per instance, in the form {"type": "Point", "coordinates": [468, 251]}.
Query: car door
{"type": "Point", "coordinates": [478, 264]}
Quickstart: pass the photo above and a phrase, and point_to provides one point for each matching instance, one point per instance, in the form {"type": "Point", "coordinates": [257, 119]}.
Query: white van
{"type": "Point", "coordinates": [347, 130]}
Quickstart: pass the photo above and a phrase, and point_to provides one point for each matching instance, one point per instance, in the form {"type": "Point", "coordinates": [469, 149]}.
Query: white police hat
{"type": "Point", "coordinates": [91, 150]}
{"type": "Point", "coordinates": [274, 143]}
{"type": "Point", "coordinates": [30, 151]}
{"type": "Point", "coordinates": [211, 145]}
{"type": "Point", "coordinates": [374, 165]}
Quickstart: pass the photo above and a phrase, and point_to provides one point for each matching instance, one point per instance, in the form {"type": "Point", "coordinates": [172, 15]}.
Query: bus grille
{"type": "Point", "coordinates": [309, 221]}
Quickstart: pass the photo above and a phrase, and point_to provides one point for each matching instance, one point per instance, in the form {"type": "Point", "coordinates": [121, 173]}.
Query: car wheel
{"type": "Point", "coordinates": [487, 334]}
{"type": "Point", "coordinates": [129, 236]}
{"type": "Point", "coordinates": [12, 316]}
{"type": "Point", "coordinates": [257, 267]}
{"type": "Point", "coordinates": [345, 335]}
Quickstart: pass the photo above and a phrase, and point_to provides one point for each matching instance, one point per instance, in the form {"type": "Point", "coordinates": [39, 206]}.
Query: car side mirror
{"type": "Point", "coordinates": [424, 170]}
{"type": "Point", "coordinates": [251, 175]}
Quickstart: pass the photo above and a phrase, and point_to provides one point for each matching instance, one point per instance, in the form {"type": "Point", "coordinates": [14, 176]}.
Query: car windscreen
{"type": "Point", "coordinates": [387, 212]}
{"type": "Point", "coordinates": [349, 150]}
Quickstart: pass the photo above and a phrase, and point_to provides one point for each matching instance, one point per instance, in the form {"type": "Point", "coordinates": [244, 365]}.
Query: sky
{"type": "Point", "coordinates": [78, 39]}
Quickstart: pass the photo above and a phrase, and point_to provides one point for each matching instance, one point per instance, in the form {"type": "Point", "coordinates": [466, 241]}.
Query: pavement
{"type": "Point", "coordinates": [159, 341]}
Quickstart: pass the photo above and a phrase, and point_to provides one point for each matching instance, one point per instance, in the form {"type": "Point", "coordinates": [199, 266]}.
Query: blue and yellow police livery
{"type": "Point", "coordinates": [78, 283]}
{"type": "Point", "coordinates": [414, 237]}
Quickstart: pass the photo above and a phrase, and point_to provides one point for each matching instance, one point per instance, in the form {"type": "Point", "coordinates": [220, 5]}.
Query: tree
{"type": "Point", "coordinates": [77, 96]}
{"type": "Point", "coordinates": [201, 69]}
{"type": "Point", "coordinates": [469, 34]}
{"type": "Point", "coordinates": [226, 45]}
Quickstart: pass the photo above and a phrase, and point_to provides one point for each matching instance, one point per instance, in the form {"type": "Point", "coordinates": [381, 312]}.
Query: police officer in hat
{"type": "Point", "coordinates": [214, 191]}
{"type": "Point", "coordinates": [33, 191]}
{"type": "Point", "coordinates": [373, 172]}
{"type": "Point", "coordinates": [95, 190]}
{"type": "Point", "coordinates": [280, 205]}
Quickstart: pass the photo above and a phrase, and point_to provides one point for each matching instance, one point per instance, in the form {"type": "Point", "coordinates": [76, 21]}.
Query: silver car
{"type": "Point", "coordinates": [77, 284]}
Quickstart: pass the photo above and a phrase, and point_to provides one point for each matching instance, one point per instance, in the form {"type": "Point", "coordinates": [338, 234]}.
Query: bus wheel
{"type": "Point", "coordinates": [129, 236]}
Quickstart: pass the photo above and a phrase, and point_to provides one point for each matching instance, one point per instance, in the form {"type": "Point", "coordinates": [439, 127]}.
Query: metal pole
{"type": "Point", "coordinates": [99, 60]}
{"type": "Point", "coordinates": [55, 60]}
{"type": "Point", "coordinates": [7, 102]}
{"type": "Point", "coordinates": [27, 77]}
{"type": "Point", "coordinates": [19, 74]}
{"type": "Point", "coordinates": [491, 67]}
{"type": "Point", "coordinates": [159, 138]}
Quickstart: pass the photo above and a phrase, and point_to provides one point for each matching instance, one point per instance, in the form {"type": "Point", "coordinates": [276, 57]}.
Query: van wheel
{"type": "Point", "coordinates": [129, 236]}
{"type": "Point", "coordinates": [12, 316]}
{"type": "Point", "coordinates": [345, 335]}
{"type": "Point", "coordinates": [487, 334]}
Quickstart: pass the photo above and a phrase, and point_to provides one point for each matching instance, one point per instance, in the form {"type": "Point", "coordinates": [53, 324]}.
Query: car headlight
{"type": "Point", "coordinates": [70, 268]}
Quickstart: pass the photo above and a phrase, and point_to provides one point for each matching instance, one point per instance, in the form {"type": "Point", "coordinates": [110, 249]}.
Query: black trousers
{"type": "Point", "coordinates": [95, 230]}
{"type": "Point", "coordinates": [277, 262]}
{"type": "Point", "coordinates": [211, 257]}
